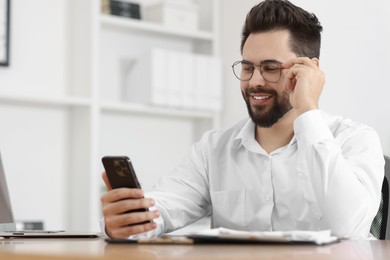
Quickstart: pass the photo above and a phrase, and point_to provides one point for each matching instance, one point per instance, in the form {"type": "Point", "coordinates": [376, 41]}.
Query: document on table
{"type": "Point", "coordinates": [229, 236]}
{"type": "Point", "coordinates": [223, 234]}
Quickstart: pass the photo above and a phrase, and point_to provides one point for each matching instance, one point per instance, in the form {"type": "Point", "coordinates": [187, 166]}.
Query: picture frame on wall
{"type": "Point", "coordinates": [4, 32]}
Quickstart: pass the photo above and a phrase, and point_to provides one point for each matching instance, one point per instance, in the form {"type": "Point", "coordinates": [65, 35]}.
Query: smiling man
{"type": "Point", "coordinates": [290, 166]}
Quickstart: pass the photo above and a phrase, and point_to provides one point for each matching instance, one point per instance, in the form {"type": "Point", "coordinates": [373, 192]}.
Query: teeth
{"type": "Point", "coordinates": [260, 97]}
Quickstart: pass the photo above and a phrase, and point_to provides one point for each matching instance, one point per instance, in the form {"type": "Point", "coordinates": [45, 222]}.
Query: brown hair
{"type": "Point", "coordinates": [304, 27]}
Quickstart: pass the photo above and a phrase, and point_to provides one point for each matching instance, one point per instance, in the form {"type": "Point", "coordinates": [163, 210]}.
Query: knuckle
{"type": "Point", "coordinates": [116, 233]}
{"type": "Point", "coordinates": [109, 222]}
{"type": "Point", "coordinates": [105, 211]}
{"type": "Point", "coordinates": [103, 198]}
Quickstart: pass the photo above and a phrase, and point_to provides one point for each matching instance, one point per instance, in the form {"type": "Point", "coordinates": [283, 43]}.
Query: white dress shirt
{"type": "Point", "coordinates": [328, 177]}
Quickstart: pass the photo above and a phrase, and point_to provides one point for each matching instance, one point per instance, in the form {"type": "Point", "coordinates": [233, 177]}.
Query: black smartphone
{"type": "Point", "coordinates": [121, 174]}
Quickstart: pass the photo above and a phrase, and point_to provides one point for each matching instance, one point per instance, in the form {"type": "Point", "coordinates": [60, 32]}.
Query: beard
{"type": "Point", "coordinates": [261, 115]}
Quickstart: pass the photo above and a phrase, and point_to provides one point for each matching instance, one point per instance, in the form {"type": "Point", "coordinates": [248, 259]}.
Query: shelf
{"type": "Point", "coordinates": [74, 115]}
{"type": "Point", "coordinates": [44, 100]}
{"type": "Point", "coordinates": [156, 111]}
{"type": "Point", "coordinates": [133, 24]}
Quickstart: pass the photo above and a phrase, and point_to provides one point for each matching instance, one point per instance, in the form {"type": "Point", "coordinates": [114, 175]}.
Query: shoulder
{"type": "Point", "coordinates": [338, 124]}
{"type": "Point", "coordinates": [343, 128]}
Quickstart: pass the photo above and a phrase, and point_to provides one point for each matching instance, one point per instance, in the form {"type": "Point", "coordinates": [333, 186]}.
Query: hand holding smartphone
{"type": "Point", "coordinates": [121, 174]}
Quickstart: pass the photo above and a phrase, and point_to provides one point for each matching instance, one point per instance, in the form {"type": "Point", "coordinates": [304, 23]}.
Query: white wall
{"type": "Point", "coordinates": [38, 44]}
{"type": "Point", "coordinates": [355, 58]}
{"type": "Point", "coordinates": [36, 171]}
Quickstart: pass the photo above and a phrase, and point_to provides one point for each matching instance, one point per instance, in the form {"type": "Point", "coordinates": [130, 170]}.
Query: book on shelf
{"type": "Point", "coordinates": [175, 79]}
{"type": "Point", "coordinates": [105, 6]}
{"type": "Point", "coordinates": [124, 9]}
{"type": "Point", "coordinates": [181, 14]}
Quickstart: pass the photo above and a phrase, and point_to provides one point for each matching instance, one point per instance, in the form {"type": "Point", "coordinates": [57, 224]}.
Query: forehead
{"type": "Point", "coordinates": [267, 45]}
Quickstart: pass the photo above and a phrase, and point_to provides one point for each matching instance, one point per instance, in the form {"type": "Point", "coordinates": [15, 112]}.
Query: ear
{"type": "Point", "coordinates": [316, 61]}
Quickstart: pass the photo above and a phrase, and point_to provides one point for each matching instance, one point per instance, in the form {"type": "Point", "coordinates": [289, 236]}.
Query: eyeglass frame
{"type": "Point", "coordinates": [259, 67]}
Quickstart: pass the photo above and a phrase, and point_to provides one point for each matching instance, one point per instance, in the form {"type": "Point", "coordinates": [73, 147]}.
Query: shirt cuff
{"type": "Point", "coordinates": [311, 128]}
{"type": "Point", "coordinates": [103, 228]}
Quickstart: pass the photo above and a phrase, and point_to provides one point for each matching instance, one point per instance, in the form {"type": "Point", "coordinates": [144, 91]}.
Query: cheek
{"type": "Point", "coordinates": [281, 84]}
{"type": "Point", "coordinates": [244, 85]}
{"type": "Point", "coordinates": [279, 88]}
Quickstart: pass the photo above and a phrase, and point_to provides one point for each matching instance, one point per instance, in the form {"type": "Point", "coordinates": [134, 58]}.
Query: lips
{"type": "Point", "coordinates": [260, 98]}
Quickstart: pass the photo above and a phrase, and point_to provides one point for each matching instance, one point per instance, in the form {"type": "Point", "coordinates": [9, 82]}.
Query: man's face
{"type": "Point", "coordinates": [266, 102]}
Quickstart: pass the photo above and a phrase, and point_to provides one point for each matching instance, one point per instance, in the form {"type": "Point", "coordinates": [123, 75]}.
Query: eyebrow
{"type": "Point", "coordinates": [262, 62]}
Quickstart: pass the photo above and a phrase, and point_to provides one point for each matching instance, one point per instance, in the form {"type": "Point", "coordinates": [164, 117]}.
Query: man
{"type": "Point", "coordinates": [289, 167]}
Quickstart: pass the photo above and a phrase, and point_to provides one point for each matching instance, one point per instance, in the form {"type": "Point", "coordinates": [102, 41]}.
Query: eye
{"type": "Point", "coordinates": [247, 68]}
{"type": "Point", "coordinates": [270, 68]}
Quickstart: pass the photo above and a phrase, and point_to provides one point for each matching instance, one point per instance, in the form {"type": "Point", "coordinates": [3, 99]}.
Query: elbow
{"type": "Point", "coordinates": [356, 224]}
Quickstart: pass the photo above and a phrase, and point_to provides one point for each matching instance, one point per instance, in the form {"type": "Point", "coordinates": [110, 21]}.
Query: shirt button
{"type": "Point", "coordinates": [267, 198]}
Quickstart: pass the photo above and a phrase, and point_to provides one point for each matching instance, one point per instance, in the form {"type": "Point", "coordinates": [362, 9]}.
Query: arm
{"type": "Point", "coordinates": [341, 173]}
{"type": "Point", "coordinates": [183, 197]}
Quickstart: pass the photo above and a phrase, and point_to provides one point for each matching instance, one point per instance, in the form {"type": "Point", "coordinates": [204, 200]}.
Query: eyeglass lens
{"type": "Point", "coordinates": [270, 71]}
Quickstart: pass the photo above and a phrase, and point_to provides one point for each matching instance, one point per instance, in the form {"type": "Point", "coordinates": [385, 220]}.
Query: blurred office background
{"type": "Point", "coordinates": [85, 81]}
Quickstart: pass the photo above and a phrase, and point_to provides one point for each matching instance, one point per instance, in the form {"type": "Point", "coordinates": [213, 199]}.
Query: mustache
{"type": "Point", "coordinates": [258, 90]}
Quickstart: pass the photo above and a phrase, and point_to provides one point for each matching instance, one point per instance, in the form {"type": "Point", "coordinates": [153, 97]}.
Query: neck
{"type": "Point", "coordinates": [278, 135]}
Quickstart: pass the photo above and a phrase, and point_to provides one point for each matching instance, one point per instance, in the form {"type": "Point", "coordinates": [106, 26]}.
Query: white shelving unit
{"type": "Point", "coordinates": [133, 24]}
{"type": "Point", "coordinates": [128, 128]}
{"type": "Point", "coordinates": [68, 130]}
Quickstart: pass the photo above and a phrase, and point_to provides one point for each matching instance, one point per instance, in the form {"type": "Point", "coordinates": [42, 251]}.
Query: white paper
{"type": "Point", "coordinates": [316, 237]}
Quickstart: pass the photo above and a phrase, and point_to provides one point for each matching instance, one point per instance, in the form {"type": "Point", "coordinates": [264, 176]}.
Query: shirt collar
{"type": "Point", "coordinates": [247, 137]}
{"type": "Point", "coordinates": [248, 140]}
{"type": "Point", "coordinates": [247, 131]}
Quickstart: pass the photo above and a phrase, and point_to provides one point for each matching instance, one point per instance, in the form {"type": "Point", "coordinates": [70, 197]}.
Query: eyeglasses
{"type": "Point", "coordinates": [269, 70]}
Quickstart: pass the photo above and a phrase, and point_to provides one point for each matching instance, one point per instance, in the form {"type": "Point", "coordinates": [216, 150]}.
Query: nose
{"type": "Point", "coordinates": [257, 78]}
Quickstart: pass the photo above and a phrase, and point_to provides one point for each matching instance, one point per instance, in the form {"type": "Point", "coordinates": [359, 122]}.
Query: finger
{"type": "Point", "coordinates": [316, 61]}
{"type": "Point", "coordinates": [291, 78]}
{"type": "Point", "coordinates": [127, 231]}
{"type": "Point", "coordinates": [299, 61]}
{"type": "Point", "coordinates": [106, 181]}
{"type": "Point", "coordinates": [290, 85]}
{"type": "Point", "coordinates": [132, 218]}
{"type": "Point", "coordinates": [121, 194]}
{"type": "Point", "coordinates": [123, 206]}
{"type": "Point", "coordinates": [292, 73]}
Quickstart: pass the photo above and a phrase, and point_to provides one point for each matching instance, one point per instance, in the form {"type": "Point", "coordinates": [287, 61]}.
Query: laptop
{"type": "Point", "coordinates": [8, 225]}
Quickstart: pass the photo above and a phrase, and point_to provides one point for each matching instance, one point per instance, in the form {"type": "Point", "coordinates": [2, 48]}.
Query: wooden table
{"type": "Point", "coordinates": [57, 249]}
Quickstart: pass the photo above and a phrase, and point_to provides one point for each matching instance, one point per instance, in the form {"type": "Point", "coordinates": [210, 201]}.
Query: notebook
{"type": "Point", "coordinates": [8, 225]}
